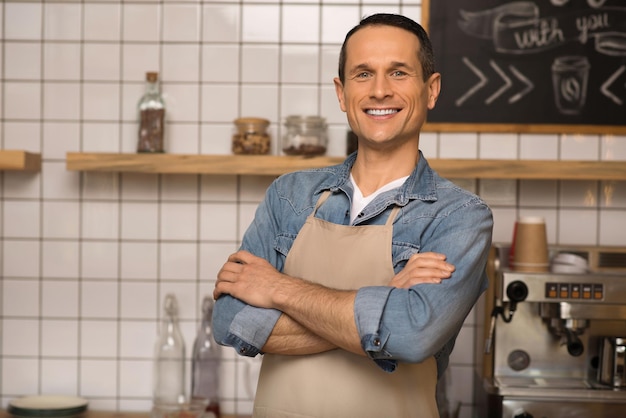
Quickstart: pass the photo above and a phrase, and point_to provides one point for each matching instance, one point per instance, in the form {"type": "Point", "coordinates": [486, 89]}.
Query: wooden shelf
{"type": "Point", "coordinates": [277, 165]}
{"type": "Point", "coordinates": [122, 414]}
{"type": "Point", "coordinates": [17, 160]}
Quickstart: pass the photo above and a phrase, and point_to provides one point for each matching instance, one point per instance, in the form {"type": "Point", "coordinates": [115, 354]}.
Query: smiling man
{"type": "Point", "coordinates": [354, 280]}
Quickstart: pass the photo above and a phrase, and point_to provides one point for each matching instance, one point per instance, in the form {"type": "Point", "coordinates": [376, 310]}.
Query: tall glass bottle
{"type": "Point", "coordinates": [169, 358]}
{"type": "Point", "coordinates": [151, 116]}
{"type": "Point", "coordinates": [206, 362]}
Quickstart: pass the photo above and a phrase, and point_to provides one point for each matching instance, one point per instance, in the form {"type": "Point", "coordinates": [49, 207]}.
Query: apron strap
{"type": "Point", "coordinates": [392, 215]}
{"type": "Point", "coordinates": [326, 194]}
{"type": "Point", "coordinates": [320, 202]}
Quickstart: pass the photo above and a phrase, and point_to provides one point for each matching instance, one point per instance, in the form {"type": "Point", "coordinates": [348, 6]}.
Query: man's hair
{"type": "Point", "coordinates": [425, 54]}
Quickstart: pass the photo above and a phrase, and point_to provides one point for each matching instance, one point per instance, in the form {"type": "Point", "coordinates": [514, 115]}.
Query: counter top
{"type": "Point", "coordinates": [98, 414]}
{"type": "Point", "coordinates": [114, 414]}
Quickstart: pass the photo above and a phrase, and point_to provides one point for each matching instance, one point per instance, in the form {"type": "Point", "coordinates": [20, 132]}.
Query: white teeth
{"type": "Point", "coordinates": [381, 112]}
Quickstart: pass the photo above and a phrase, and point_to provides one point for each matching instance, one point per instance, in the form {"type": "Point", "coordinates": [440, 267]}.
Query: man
{"type": "Point", "coordinates": [354, 280]}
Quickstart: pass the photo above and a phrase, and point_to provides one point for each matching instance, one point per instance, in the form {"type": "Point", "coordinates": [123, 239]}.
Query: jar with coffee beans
{"type": "Point", "coordinates": [251, 136]}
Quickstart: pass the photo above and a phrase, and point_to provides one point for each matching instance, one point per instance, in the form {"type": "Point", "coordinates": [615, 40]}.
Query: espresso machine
{"type": "Point", "coordinates": [553, 345]}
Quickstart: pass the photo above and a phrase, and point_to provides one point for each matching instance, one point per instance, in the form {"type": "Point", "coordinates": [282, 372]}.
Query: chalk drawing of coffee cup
{"type": "Point", "coordinates": [570, 75]}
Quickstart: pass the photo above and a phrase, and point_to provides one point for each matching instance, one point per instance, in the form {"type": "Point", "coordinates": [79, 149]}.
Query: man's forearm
{"type": "Point", "coordinates": [327, 313]}
{"type": "Point", "coordinates": [291, 338]}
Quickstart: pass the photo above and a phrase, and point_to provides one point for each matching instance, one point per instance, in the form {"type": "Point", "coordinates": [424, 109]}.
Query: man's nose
{"type": "Point", "coordinates": [381, 87]}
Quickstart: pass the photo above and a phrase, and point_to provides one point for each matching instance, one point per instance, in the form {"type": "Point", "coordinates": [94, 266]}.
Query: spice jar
{"type": "Point", "coordinates": [305, 135]}
{"type": "Point", "coordinates": [251, 136]}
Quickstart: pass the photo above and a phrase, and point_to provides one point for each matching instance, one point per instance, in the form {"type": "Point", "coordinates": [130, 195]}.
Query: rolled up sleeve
{"type": "Point", "coordinates": [410, 325]}
{"type": "Point", "coordinates": [241, 326]}
{"type": "Point", "coordinates": [369, 306]}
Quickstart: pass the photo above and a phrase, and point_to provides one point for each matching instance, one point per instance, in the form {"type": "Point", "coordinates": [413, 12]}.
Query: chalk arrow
{"type": "Point", "coordinates": [529, 85]}
{"type": "Point", "coordinates": [605, 86]}
{"type": "Point", "coordinates": [507, 83]}
{"type": "Point", "coordinates": [476, 87]}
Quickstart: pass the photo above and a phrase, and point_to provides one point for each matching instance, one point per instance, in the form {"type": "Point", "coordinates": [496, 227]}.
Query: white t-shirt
{"type": "Point", "coordinates": [359, 202]}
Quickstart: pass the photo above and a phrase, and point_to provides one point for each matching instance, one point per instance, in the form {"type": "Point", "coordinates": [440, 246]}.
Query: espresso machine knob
{"type": "Point", "coordinates": [517, 291]}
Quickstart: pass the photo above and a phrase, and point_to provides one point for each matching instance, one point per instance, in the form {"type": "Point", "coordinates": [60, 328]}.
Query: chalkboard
{"type": "Point", "coordinates": [529, 66]}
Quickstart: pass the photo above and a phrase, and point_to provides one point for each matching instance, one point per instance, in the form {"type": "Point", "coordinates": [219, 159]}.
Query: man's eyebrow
{"type": "Point", "coordinates": [400, 64]}
{"type": "Point", "coordinates": [360, 67]}
{"type": "Point", "coordinates": [366, 66]}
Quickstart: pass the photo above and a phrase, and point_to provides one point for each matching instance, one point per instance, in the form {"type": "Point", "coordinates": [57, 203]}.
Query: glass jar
{"type": "Point", "coordinates": [169, 358]}
{"type": "Point", "coordinates": [305, 135]}
{"type": "Point", "coordinates": [205, 363]}
{"type": "Point", "coordinates": [151, 116]}
{"type": "Point", "coordinates": [251, 136]}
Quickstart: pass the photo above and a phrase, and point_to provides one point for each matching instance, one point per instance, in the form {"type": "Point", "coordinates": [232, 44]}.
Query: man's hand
{"type": "Point", "coordinates": [423, 268]}
{"type": "Point", "coordinates": [249, 278]}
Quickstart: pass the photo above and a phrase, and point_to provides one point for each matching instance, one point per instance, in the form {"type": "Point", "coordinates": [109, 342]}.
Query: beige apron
{"type": "Point", "coordinates": [337, 383]}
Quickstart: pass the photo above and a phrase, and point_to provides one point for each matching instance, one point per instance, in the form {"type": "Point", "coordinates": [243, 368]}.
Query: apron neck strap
{"type": "Point", "coordinates": [392, 215]}
{"type": "Point", "coordinates": [320, 202]}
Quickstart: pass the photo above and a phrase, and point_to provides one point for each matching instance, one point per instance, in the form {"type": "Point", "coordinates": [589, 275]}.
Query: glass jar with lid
{"type": "Point", "coordinates": [151, 116]}
{"type": "Point", "coordinates": [305, 135]}
{"type": "Point", "coordinates": [251, 136]}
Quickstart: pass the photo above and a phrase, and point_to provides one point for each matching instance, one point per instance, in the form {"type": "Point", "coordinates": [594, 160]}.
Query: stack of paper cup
{"type": "Point", "coordinates": [531, 245]}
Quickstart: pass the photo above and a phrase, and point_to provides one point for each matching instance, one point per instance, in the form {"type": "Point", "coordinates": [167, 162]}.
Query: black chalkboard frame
{"type": "Point", "coordinates": [496, 127]}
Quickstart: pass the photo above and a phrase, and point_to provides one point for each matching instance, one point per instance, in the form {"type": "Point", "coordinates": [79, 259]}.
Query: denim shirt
{"type": "Point", "coordinates": [394, 325]}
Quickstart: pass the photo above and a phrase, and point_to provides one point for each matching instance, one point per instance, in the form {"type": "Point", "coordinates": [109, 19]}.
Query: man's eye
{"type": "Point", "coordinates": [363, 75]}
{"type": "Point", "coordinates": [398, 73]}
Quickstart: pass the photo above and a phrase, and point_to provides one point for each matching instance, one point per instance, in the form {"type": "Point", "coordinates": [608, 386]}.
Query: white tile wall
{"type": "Point", "coordinates": [87, 258]}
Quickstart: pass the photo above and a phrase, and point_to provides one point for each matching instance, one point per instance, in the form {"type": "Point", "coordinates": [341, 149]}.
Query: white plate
{"type": "Point", "coordinates": [570, 259]}
{"type": "Point", "coordinates": [47, 406]}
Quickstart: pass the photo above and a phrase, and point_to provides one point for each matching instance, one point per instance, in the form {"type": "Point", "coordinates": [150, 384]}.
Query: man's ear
{"type": "Point", "coordinates": [339, 92]}
{"type": "Point", "coordinates": [434, 88]}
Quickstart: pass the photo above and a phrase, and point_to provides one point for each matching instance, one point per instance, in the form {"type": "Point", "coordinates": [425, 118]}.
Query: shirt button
{"type": "Point", "coordinates": [377, 342]}
{"type": "Point", "coordinates": [242, 350]}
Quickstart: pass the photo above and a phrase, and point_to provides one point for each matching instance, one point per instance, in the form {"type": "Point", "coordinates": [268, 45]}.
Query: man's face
{"type": "Point", "coordinates": [384, 95]}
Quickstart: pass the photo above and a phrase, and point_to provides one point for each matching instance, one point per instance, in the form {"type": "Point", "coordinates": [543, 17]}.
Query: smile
{"type": "Point", "coordinates": [381, 112]}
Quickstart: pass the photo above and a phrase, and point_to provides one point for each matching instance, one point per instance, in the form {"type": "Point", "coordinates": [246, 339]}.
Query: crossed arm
{"type": "Point", "coordinates": [314, 318]}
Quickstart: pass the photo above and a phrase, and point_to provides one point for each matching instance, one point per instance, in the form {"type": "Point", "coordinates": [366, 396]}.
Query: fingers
{"type": "Point", "coordinates": [432, 260]}
{"type": "Point", "coordinates": [228, 273]}
{"type": "Point", "coordinates": [430, 254]}
{"type": "Point", "coordinates": [240, 256]}
{"type": "Point", "coordinates": [428, 267]}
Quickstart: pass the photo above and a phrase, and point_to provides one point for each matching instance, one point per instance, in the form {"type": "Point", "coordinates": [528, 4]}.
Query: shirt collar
{"type": "Point", "coordinates": [421, 184]}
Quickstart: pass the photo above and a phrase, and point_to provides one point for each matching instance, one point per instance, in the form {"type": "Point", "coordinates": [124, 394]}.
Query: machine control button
{"type": "Point", "coordinates": [598, 291]}
{"type": "Point", "coordinates": [574, 291]}
{"type": "Point", "coordinates": [551, 290]}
